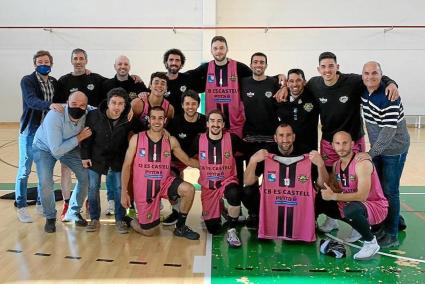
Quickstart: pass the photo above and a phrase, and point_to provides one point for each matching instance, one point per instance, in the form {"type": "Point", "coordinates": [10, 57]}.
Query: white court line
{"type": "Point", "coordinates": [412, 193]}
{"type": "Point", "coordinates": [202, 263]}
{"type": "Point", "coordinates": [381, 253]}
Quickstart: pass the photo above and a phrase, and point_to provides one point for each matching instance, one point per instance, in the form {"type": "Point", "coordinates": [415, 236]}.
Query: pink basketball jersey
{"type": "Point", "coordinates": [376, 203]}
{"type": "Point", "coordinates": [287, 200]}
{"type": "Point", "coordinates": [225, 98]}
{"type": "Point", "coordinates": [151, 168]}
{"type": "Point", "coordinates": [217, 166]}
{"type": "Point", "coordinates": [147, 106]}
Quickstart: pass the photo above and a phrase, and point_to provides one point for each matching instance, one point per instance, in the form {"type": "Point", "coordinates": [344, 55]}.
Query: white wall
{"type": "Point", "coordinates": [400, 51]}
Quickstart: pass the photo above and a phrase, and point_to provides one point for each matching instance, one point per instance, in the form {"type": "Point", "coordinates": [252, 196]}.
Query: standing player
{"type": "Point", "coordinates": [185, 127]}
{"type": "Point", "coordinates": [339, 100]}
{"type": "Point", "coordinates": [354, 195]}
{"type": "Point", "coordinates": [287, 191]}
{"type": "Point", "coordinates": [148, 157]}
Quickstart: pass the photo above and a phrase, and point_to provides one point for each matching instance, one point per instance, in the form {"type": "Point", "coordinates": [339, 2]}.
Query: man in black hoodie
{"type": "Point", "coordinates": [106, 150]}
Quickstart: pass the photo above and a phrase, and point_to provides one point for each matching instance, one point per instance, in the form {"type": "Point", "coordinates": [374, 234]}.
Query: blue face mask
{"type": "Point", "coordinates": [43, 69]}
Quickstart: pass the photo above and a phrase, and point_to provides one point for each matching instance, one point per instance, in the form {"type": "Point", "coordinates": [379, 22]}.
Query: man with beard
{"type": "Point", "coordinates": [58, 138]}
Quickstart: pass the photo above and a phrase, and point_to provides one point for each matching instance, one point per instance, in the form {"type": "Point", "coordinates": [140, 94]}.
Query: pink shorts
{"type": "Point", "coordinates": [330, 156]}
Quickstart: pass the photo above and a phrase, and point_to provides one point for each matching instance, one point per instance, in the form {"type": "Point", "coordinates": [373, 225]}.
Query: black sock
{"type": "Point", "coordinates": [233, 222]}
{"type": "Point", "coordinates": [67, 201]}
{"type": "Point", "coordinates": [127, 220]}
{"type": "Point", "coordinates": [181, 221]}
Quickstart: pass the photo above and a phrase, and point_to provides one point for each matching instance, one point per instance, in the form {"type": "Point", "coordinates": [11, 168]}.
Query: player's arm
{"type": "Point", "coordinates": [170, 113]}
{"type": "Point", "coordinates": [126, 170]}
{"type": "Point", "coordinates": [249, 176]}
{"type": "Point", "coordinates": [137, 106]}
{"type": "Point", "coordinates": [317, 160]}
{"type": "Point", "coordinates": [181, 155]}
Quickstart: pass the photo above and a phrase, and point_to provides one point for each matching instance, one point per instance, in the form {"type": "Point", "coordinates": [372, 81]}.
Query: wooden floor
{"type": "Point", "coordinates": [27, 254]}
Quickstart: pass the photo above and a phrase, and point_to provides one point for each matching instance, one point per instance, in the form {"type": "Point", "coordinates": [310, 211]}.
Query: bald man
{"type": "Point", "coordinates": [389, 144]}
{"type": "Point", "coordinates": [58, 138]}
{"type": "Point", "coordinates": [354, 194]}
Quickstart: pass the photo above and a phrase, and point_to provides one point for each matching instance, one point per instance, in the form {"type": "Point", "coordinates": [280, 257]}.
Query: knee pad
{"type": "Point", "coordinates": [232, 193]}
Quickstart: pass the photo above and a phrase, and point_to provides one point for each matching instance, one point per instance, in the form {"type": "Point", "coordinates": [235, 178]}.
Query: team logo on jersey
{"type": "Point", "coordinates": [250, 94]}
{"type": "Point", "coordinates": [352, 178]}
{"type": "Point", "coordinates": [183, 88]}
{"type": "Point", "coordinates": [343, 99]}
{"type": "Point", "coordinates": [149, 216]}
{"type": "Point", "coordinates": [210, 78]}
{"type": "Point", "coordinates": [142, 152]}
{"type": "Point", "coordinates": [73, 90]}
{"type": "Point", "coordinates": [203, 155]}
{"type": "Point", "coordinates": [90, 87]}
{"type": "Point", "coordinates": [233, 78]}
{"type": "Point", "coordinates": [227, 155]}
{"type": "Point", "coordinates": [167, 94]}
{"type": "Point", "coordinates": [303, 179]}
{"type": "Point", "coordinates": [167, 154]}
{"type": "Point", "coordinates": [308, 107]}
{"type": "Point", "coordinates": [182, 135]}
{"type": "Point", "coordinates": [268, 94]}
{"type": "Point", "coordinates": [271, 177]}
{"type": "Point", "coordinates": [323, 100]}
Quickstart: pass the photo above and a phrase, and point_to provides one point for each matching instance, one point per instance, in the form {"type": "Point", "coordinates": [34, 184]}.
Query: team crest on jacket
{"type": "Point", "coordinates": [271, 177]}
{"type": "Point", "coordinates": [343, 99]}
{"type": "Point", "coordinates": [227, 155]}
{"type": "Point", "coordinates": [303, 178]}
{"type": "Point", "coordinates": [142, 152]}
{"type": "Point", "coordinates": [233, 78]}
{"type": "Point", "coordinates": [210, 78]}
{"type": "Point", "coordinates": [323, 100]}
{"type": "Point", "coordinates": [167, 94]}
{"type": "Point", "coordinates": [250, 94]}
{"type": "Point", "coordinates": [90, 87]}
{"type": "Point", "coordinates": [268, 94]}
{"type": "Point", "coordinates": [308, 107]}
{"type": "Point", "coordinates": [183, 88]}
{"type": "Point", "coordinates": [203, 155]}
{"type": "Point", "coordinates": [167, 154]}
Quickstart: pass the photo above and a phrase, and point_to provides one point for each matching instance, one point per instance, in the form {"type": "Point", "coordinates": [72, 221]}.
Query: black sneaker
{"type": "Point", "coordinates": [80, 221]}
{"type": "Point", "coordinates": [388, 241]}
{"type": "Point", "coordinates": [380, 234]}
{"type": "Point", "coordinates": [171, 219]}
{"type": "Point", "coordinates": [185, 231]}
{"type": "Point", "coordinates": [401, 224]}
{"type": "Point", "coordinates": [50, 226]}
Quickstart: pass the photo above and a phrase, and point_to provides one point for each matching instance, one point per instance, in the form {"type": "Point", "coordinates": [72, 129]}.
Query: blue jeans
{"type": "Point", "coordinates": [389, 169]}
{"type": "Point", "coordinates": [45, 164]}
{"type": "Point", "coordinates": [94, 194]}
{"type": "Point", "coordinates": [109, 189]}
{"type": "Point", "coordinates": [24, 169]}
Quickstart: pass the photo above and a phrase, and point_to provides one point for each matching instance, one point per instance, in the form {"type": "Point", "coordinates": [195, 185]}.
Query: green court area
{"type": "Point", "coordinates": [277, 261]}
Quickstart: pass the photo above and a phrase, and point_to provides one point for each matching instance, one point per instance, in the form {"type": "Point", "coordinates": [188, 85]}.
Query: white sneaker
{"type": "Point", "coordinates": [111, 208]}
{"type": "Point", "coordinates": [368, 250]}
{"type": "Point", "coordinates": [23, 215]}
{"type": "Point", "coordinates": [329, 225]}
{"type": "Point", "coordinates": [354, 237]}
{"type": "Point", "coordinates": [39, 209]}
{"type": "Point", "coordinates": [232, 238]}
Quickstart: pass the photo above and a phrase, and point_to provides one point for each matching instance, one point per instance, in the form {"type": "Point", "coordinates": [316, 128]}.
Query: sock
{"type": "Point", "coordinates": [181, 221]}
{"type": "Point", "coordinates": [233, 222]}
{"type": "Point", "coordinates": [127, 220]}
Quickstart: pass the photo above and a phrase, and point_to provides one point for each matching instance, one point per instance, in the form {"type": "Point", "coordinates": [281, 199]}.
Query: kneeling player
{"type": "Point", "coordinates": [148, 157]}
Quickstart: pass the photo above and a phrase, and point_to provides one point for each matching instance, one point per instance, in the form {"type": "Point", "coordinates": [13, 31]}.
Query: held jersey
{"type": "Point", "coordinates": [287, 199]}
{"type": "Point", "coordinates": [151, 166]}
{"type": "Point", "coordinates": [146, 108]}
{"type": "Point", "coordinates": [376, 203]}
{"type": "Point", "coordinates": [217, 166]}
{"type": "Point", "coordinates": [225, 97]}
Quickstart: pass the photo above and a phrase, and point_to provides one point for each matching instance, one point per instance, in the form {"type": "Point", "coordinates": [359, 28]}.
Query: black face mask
{"type": "Point", "coordinates": [76, 112]}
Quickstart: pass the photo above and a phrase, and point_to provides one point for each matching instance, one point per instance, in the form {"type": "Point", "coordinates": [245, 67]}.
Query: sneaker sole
{"type": "Point", "coordinates": [169, 223]}
{"type": "Point", "coordinates": [369, 257]}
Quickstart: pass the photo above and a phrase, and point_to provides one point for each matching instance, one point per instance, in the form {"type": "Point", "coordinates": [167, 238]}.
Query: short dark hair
{"type": "Point", "coordinates": [160, 75]}
{"type": "Point", "coordinates": [157, 108]}
{"type": "Point", "coordinates": [296, 71]}
{"type": "Point", "coordinates": [174, 51]}
{"type": "Point", "coordinates": [117, 92]}
{"type": "Point", "coordinates": [327, 55]}
{"type": "Point", "coordinates": [285, 124]}
{"type": "Point", "coordinates": [217, 111]}
{"type": "Point", "coordinates": [259, 54]}
{"type": "Point", "coordinates": [41, 53]}
{"type": "Point", "coordinates": [219, 38]}
{"type": "Point", "coordinates": [191, 94]}
{"type": "Point", "coordinates": [79, 50]}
